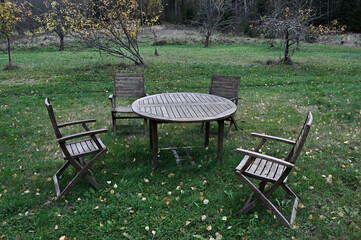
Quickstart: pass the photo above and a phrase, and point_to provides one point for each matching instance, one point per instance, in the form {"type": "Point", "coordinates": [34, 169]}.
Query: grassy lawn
{"type": "Point", "coordinates": [168, 203]}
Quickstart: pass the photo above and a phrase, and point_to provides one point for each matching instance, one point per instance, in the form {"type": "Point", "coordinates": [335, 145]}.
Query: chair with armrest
{"type": "Point", "coordinates": [272, 170]}
{"type": "Point", "coordinates": [74, 149]}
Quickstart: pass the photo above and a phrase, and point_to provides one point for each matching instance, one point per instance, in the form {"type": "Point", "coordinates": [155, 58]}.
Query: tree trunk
{"type": "Point", "coordinates": [328, 12]}
{"type": "Point", "coordinates": [155, 43]}
{"type": "Point", "coordinates": [141, 12]}
{"type": "Point", "coordinates": [206, 42]}
{"type": "Point", "coordinates": [138, 59]}
{"type": "Point", "coordinates": [287, 49]}
{"type": "Point", "coordinates": [176, 10]}
{"type": "Point", "coordinates": [61, 47]}
{"type": "Point", "coordinates": [245, 9]}
{"type": "Point", "coordinates": [9, 52]}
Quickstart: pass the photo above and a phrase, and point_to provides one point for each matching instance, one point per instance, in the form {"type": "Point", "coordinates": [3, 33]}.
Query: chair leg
{"type": "Point", "coordinates": [232, 122]}
{"type": "Point", "coordinates": [263, 197]}
{"type": "Point", "coordinates": [93, 182]}
{"type": "Point", "coordinates": [229, 129]}
{"type": "Point", "coordinates": [201, 128]}
{"type": "Point", "coordinates": [114, 123]}
{"type": "Point", "coordinates": [248, 207]}
{"type": "Point", "coordinates": [62, 169]}
{"type": "Point", "coordinates": [288, 190]}
{"type": "Point", "coordinates": [81, 161]}
{"type": "Point", "coordinates": [145, 125]}
{"type": "Point", "coordinates": [249, 199]}
{"type": "Point", "coordinates": [82, 172]}
{"type": "Point", "coordinates": [295, 204]}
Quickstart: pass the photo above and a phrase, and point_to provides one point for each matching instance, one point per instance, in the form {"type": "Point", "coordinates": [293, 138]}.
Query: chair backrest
{"type": "Point", "coordinates": [129, 85]}
{"type": "Point", "coordinates": [52, 118]}
{"type": "Point", "coordinates": [225, 86]}
{"type": "Point", "coordinates": [295, 152]}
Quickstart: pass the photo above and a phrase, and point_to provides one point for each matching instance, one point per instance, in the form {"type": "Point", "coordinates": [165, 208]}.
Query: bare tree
{"type": "Point", "coordinates": [211, 17]}
{"type": "Point", "coordinates": [293, 25]}
{"type": "Point", "coordinates": [110, 26]}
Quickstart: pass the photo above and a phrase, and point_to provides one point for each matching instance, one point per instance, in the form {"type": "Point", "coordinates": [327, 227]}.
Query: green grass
{"type": "Point", "coordinates": [274, 100]}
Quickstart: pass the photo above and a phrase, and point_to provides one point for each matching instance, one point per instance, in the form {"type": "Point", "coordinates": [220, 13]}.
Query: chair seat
{"type": "Point", "coordinates": [262, 169]}
{"type": "Point", "coordinates": [122, 109]}
{"type": "Point", "coordinates": [83, 148]}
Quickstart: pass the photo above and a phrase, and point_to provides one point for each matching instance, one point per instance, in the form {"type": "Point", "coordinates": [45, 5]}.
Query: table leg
{"type": "Point", "coordinates": [206, 135]}
{"type": "Point", "coordinates": [154, 141]}
{"type": "Point", "coordinates": [220, 139]}
{"type": "Point", "coordinates": [150, 134]}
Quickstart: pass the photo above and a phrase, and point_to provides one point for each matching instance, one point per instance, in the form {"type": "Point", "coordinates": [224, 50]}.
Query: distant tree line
{"type": "Point", "coordinates": [347, 12]}
{"type": "Point", "coordinates": [244, 12]}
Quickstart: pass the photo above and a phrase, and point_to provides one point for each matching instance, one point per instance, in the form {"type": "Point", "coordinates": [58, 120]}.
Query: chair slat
{"type": "Point", "coordinates": [260, 167]}
{"type": "Point", "coordinates": [271, 174]}
{"type": "Point", "coordinates": [254, 166]}
{"type": "Point", "coordinates": [267, 168]}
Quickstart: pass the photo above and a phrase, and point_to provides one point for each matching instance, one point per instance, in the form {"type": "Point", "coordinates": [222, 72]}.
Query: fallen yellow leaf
{"type": "Point", "coordinates": [166, 200]}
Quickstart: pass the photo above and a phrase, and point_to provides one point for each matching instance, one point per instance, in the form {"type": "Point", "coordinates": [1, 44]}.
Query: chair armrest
{"type": "Point", "coordinates": [273, 138]}
{"type": "Point", "coordinates": [265, 157]}
{"type": "Point", "coordinates": [234, 99]}
{"type": "Point", "coordinates": [76, 122]}
{"type": "Point", "coordinates": [82, 134]}
{"type": "Point", "coordinates": [111, 98]}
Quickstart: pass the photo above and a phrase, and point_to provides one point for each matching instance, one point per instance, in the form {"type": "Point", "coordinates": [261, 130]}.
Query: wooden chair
{"type": "Point", "coordinates": [270, 169]}
{"type": "Point", "coordinates": [74, 151]}
{"type": "Point", "coordinates": [126, 85]}
{"type": "Point", "coordinates": [227, 87]}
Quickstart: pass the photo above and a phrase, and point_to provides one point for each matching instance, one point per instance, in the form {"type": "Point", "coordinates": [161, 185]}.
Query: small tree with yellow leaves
{"type": "Point", "coordinates": [111, 26]}
{"type": "Point", "coordinates": [10, 14]}
{"type": "Point", "coordinates": [293, 25]}
{"type": "Point", "coordinates": [57, 18]}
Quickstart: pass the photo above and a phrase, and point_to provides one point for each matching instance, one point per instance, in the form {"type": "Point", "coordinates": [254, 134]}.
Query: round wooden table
{"type": "Point", "coordinates": [184, 108]}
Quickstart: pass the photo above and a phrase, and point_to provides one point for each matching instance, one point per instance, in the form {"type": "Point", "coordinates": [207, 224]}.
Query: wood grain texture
{"type": "Point", "coordinates": [184, 107]}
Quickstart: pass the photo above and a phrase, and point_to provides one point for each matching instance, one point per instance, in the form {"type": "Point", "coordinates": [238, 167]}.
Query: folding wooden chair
{"type": "Point", "coordinates": [270, 169]}
{"type": "Point", "coordinates": [74, 151]}
{"type": "Point", "coordinates": [227, 87]}
{"type": "Point", "coordinates": [126, 85]}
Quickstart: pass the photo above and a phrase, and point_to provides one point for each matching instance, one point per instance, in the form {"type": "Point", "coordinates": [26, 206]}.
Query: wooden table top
{"type": "Point", "coordinates": [184, 107]}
